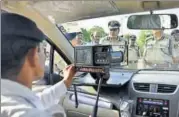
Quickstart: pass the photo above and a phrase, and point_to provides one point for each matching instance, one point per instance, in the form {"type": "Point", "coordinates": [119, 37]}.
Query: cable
{"type": "Point", "coordinates": [95, 109]}
{"type": "Point", "coordinates": [76, 96]}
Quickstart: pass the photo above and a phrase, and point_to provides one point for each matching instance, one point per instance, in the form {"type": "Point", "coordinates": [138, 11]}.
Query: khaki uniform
{"type": "Point", "coordinates": [118, 44]}
{"type": "Point", "coordinates": [159, 51]}
{"type": "Point", "coordinates": [133, 56]}
{"type": "Point", "coordinates": [176, 46]}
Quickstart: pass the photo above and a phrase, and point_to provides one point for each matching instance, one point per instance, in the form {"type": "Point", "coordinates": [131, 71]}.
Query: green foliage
{"type": "Point", "coordinates": [99, 29]}
{"type": "Point", "coordinates": [142, 38]}
{"type": "Point", "coordinates": [126, 36]}
{"type": "Point", "coordinates": [86, 35]}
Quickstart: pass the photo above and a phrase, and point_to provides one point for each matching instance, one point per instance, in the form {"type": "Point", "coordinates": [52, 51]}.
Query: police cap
{"type": "Point", "coordinates": [133, 37]}
{"type": "Point", "coordinates": [113, 24]}
{"type": "Point", "coordinates": [175, 32]}
{"type": "Point", "coordinates": [19, 26]}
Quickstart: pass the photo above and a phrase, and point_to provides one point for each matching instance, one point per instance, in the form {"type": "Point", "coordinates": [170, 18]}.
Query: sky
{"type": "Point", "coordinates": [102, 22]}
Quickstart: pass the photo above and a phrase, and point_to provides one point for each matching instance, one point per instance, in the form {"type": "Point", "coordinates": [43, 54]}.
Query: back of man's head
{"type": "Point", "coordinates": [20, 37]}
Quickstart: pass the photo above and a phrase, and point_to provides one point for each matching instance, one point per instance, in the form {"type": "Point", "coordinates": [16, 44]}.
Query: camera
{"type": "Point", "coordinates": [97, 59]}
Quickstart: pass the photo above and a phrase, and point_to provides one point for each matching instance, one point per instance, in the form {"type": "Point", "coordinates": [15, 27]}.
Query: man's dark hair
{"type": "Point", "coordinates": [18, 35]}
{"type": "Point", "coordinates": [14, 51]}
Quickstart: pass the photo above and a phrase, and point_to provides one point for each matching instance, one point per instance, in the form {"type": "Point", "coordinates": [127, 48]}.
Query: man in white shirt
{"type": "Point", "coordinates": [95, 37]}
{"type": "Point", "coordinates": [23, 61]}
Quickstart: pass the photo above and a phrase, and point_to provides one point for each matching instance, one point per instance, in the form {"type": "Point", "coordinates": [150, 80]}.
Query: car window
{"type": "Point", "coordinates": [45, 79]}
{"type": "Point", "coordinates": [47, 48]}
{"type": "Point", "coordinates": [59, 64]}
{"type": "Point", "coordinates": [54, 74]}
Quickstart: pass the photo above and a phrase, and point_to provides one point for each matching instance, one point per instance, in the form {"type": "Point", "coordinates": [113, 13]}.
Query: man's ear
{"type": "Point", "coordinates": [32, 56]}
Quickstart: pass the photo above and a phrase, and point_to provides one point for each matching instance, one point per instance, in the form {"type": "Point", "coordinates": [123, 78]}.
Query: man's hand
{"type": "Point", "coordinates": [69, 73]}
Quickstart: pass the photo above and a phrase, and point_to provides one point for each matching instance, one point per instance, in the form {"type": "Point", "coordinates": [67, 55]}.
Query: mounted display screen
{"type": "Point", "coordinates": [84, 56]}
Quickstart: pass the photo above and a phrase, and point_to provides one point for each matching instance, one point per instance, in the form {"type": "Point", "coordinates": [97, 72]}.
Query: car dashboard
{"type": "Point", "coordinates": [146, 93]}
{"type": "Point", "coordinates": [155, 93]}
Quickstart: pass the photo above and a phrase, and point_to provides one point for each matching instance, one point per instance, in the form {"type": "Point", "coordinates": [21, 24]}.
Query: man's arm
{"type": "Point", "coordinates": [19, 107]}
{"type": "Point", "coordinates": [52, 95]}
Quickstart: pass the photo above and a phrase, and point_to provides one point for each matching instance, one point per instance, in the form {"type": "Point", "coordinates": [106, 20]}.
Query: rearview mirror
{"type": "Point", "coordinates": [152, 21]}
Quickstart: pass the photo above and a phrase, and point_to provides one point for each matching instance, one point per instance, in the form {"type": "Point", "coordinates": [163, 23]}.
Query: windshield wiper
{"type": "Point", "coordinates": [157, 69]}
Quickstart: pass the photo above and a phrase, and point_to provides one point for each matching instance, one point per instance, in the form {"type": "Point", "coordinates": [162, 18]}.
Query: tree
{"type": "Point", "coordinates": [142, 38]}
{"type": "Point", "coordinates": [99, 29]}
{"type": "Point", "coordinates": [86, 35]}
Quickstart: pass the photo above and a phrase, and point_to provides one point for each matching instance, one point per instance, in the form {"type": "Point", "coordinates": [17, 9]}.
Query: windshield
{"type": "Point", "coordinates": [147, 49]}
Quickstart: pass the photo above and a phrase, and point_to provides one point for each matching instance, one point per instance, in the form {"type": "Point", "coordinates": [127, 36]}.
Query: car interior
{"type": "Point", "coordinates": [139, 92]}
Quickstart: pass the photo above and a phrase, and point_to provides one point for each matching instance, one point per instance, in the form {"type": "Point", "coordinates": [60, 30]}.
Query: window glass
{"type": "Point", "coordinates": [44, 81]}
{"type": "Point", "coordinates": [59, 64]}
{"type": "Point", "coordinates": [47, 47]}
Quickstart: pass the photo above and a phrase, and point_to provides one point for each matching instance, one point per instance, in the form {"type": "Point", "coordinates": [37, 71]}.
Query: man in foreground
{"type": "Point", "coordinates": [22, 62]}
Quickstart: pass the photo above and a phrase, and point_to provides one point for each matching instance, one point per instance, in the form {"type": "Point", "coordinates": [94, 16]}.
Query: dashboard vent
{"type": "Point", "coordinates": [163, 88]}
{"type": "Point", "coordinates": [144, 87]}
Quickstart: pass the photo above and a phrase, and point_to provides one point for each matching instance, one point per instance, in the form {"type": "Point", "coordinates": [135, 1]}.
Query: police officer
{"type": "Point", "coordinates": [113, 38]}
{"type": "Point", "coordinates": [134, 53]}
{"type": "Point", "coordinates": [175, 34]}
{"type": "Point", "coordinates": [159, 50]}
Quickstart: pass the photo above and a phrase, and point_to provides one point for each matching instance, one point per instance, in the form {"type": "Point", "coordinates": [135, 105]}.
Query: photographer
{"type": "Point", "coordinates": [22, 62]}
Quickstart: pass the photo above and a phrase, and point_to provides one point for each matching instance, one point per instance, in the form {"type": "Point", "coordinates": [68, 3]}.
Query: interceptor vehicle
{"type": "Point", "coordinates": [136, 88]}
